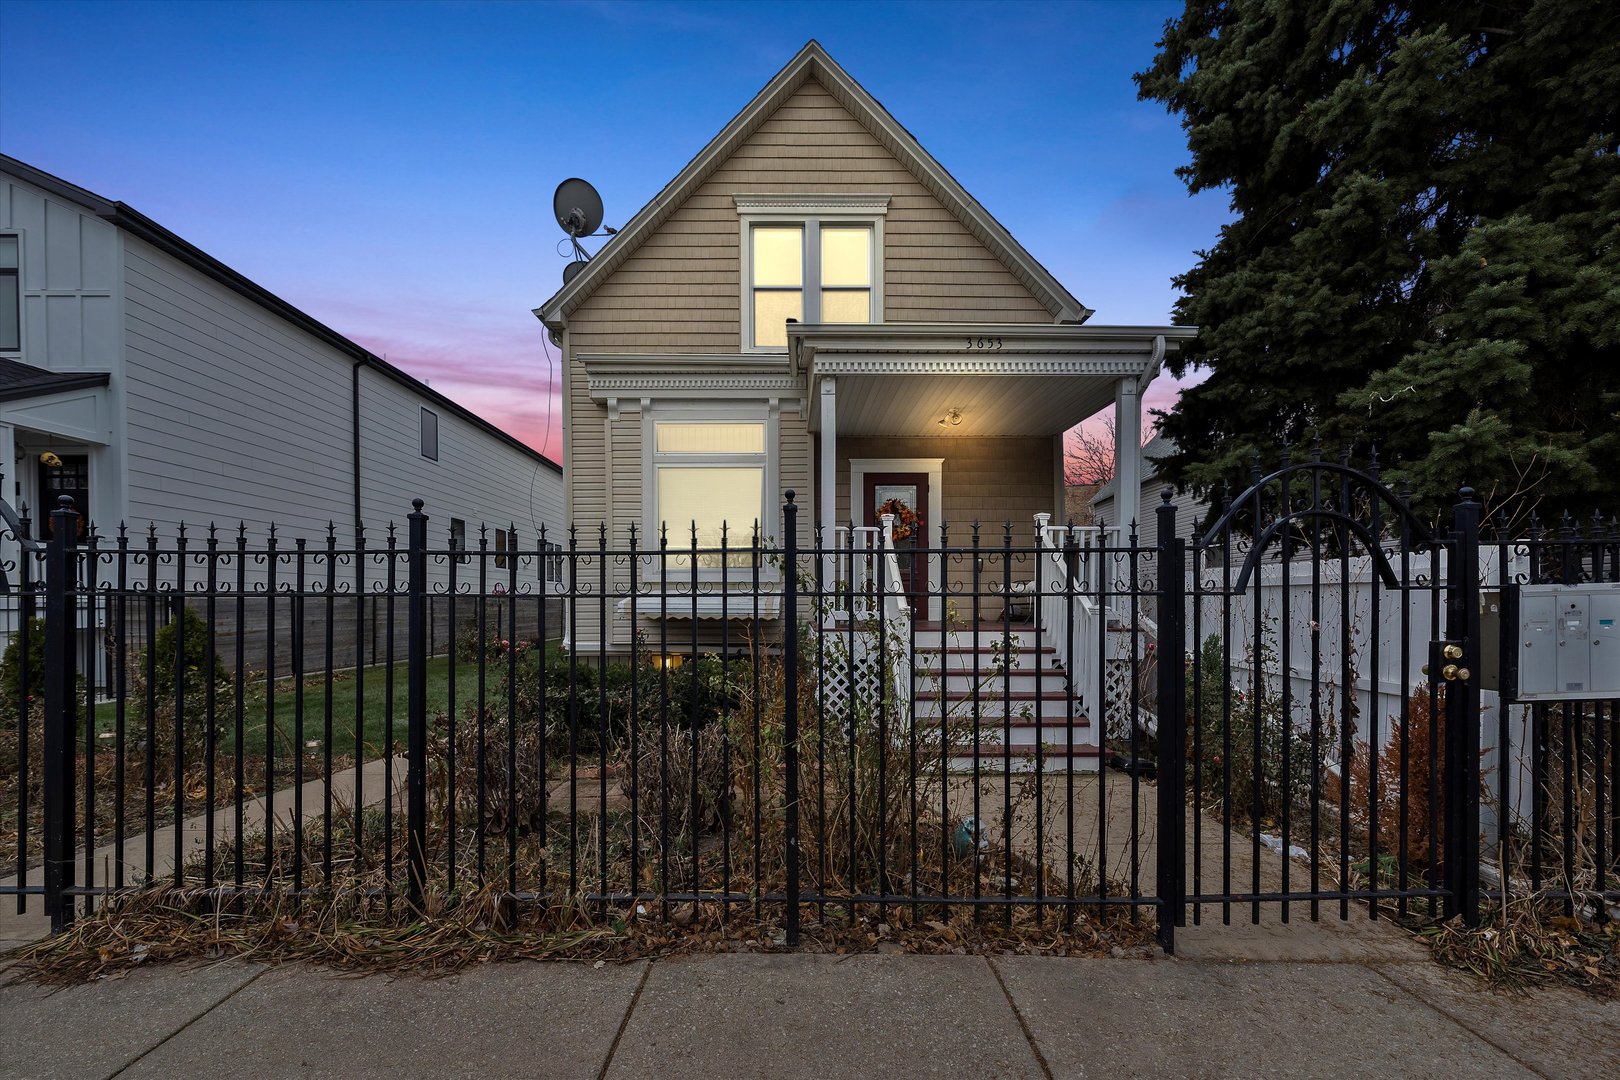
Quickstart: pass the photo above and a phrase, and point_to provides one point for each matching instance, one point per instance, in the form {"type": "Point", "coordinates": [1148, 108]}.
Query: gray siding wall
{"type": "Point", "coordinates": [235, 416]}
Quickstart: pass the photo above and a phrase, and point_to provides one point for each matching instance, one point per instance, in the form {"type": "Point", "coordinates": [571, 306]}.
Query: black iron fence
{"type": "Point", "coordinates": [1032, 726]}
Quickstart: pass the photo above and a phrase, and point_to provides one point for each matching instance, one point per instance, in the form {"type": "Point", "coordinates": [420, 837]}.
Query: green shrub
{"type": "Point", "coordinates": [11, 666]}
{"type": "Point", "coordinates": [195, 661]}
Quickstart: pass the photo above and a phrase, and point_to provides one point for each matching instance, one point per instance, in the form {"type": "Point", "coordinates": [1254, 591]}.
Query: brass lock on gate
{"type": "Point", "coordinates": [1451, 672]}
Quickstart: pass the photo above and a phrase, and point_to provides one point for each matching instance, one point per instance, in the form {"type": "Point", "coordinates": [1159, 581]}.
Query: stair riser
{"type": "Point", "coordinates": [991, 686]}
{"type": "Point", "coordinates": [1053, 713]}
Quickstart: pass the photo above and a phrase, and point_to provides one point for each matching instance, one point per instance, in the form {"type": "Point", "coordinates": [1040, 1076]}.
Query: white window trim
{"type": "Point", "coordinates": [691, 412]}
{"type": "Point", "coordinates": [811, 212]}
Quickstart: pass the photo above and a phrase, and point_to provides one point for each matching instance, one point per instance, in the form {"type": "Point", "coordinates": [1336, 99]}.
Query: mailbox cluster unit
{"type": "Point", "coordinates": [1569, 642]}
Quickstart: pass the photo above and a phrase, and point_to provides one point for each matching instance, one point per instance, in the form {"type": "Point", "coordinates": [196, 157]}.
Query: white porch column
{"type": "Point", "coordinates": [1127, 455]}
{"type": "Point", "coordinates": [827, 497]}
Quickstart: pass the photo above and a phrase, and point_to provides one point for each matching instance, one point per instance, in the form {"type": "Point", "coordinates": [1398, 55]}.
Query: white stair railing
{"type": "Point", "coordinates": [896, 620]}
{"type": "Point", "coordinates": [1069, 613]}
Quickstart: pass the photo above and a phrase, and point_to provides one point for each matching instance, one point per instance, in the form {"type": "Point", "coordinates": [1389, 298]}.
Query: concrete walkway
{"type": "Point", "coordinates": [784, 1016]}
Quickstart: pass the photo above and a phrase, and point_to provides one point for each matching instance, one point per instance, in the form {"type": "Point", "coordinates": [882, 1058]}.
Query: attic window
{"type": "Point", "coordinates": [810, 259]}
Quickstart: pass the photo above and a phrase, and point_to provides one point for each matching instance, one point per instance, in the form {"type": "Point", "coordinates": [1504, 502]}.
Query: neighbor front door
{"type": "Point", "coordinates": [905, 495]}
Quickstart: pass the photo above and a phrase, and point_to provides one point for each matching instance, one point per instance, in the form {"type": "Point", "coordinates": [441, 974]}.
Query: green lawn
{"type": "Point", "coordinates": [346, 688]}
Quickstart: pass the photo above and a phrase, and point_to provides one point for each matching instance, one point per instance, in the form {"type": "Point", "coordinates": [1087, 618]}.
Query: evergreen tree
{"type": "Point", "coordinates": [1426, 251]}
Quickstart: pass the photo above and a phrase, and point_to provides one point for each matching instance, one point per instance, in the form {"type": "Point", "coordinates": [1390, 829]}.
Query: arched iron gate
{"type": "Point", "coordinates": [1316, 745]}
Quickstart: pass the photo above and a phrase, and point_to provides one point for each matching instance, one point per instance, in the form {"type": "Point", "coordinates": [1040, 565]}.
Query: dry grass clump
{"type": "Point", "coordinates": [1530, 943]}
{"type": "Point", "coordinates": [360, 934]}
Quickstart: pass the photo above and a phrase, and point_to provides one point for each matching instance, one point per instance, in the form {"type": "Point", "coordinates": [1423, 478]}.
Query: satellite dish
{"type": "Point", "coordinates": [571, 271]}
{"type": "Point", "coordinates": [578, 207]}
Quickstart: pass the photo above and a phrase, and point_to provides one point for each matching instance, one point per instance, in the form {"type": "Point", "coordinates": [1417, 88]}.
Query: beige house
{"type": "Point", "coordinates": [814, 303]}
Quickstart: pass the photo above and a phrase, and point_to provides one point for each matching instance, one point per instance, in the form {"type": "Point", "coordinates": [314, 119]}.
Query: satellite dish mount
{"type": "Point", "coordinates": [578, 209]}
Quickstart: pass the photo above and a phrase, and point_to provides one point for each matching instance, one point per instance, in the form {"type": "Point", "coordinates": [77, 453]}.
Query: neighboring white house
{"type": "Point", "coordinates": [155, 386]}
{"type": "Point", "coordinates": [172, 388]}
{"type": "Point", "coordinates": [1190, 509]}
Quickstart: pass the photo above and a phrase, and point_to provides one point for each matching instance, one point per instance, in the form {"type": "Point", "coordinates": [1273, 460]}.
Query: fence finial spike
{"type": "Point", "coordinates": [213, 533]}
{"type": "Point", "coordinates": [272, 532]}
{"type": "Point", "coordinates": [151, 531]}
{"type": "Point", "coordinates": [1254, 465]}
{"type": "Point", "coordinates": [1372, 460]}
{"type": "Point", "coordinates": [180, 532]}
{"type": "Point", "coordinates": [331, 530]}
{"type": "Point", "coordinates": [1316, 445]}
{"type": "Point", "coordinates": [391, 529]}
{"type": "Point", "coordinates": [123, 531]}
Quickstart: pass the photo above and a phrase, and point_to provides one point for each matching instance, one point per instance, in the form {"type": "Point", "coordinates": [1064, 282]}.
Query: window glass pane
{"type": "Point", "coordinates": [846, 306]}
{"type": "Point", "coordinates": [8, 253]}
{"type": "Point", "coordinates": [846, 257]}
{"type": "Point", "coordinates": [9, 337]}
{"type": "Point", "coordinates": [710, 438]}
{"type": "Point", "coordinates": [709, 497]}
{"type": "Point", "coordinates": [430, 434]}
{"type": "Point", "coordinates": [778, 256]}
{"type": "Point", "coordinates": [772, 310]}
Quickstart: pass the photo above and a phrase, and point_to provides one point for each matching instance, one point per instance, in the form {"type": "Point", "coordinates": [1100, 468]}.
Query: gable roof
{"type": "Point", "coordinates": [1152, 450]}
{"type": "Point", "coordinates": [138, 224]}
{"type": "Point", "coordinates": [813, 63]}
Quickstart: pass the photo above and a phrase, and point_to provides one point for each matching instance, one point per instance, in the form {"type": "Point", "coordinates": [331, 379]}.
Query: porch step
{"type": "Point", "coordinates": [993, 762]}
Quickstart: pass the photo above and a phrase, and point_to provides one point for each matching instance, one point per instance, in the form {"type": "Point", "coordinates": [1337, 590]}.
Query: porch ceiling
{"type": "Point", "coordinates": [998, 379]}
{"type": "Point", "coordinates": [986, 404]}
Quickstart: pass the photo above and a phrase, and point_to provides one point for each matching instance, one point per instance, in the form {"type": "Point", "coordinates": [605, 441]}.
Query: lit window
{"type": "Point", "coordinates": [430, 434]}
{"type": "Point", "coordinates": [709, 477]}
{"type": "Point", "coordinates": [846, 274]}
{"type": "Point", "coordinates": [835, 286]}
{"type": "Point", "coordinates": [10, 295]}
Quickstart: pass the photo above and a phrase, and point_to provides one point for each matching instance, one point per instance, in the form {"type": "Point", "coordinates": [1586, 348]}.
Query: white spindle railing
{"type": "Point", "coordinates": [1069, 613]}
{"type": "Point", "coordinates": [896, 610]}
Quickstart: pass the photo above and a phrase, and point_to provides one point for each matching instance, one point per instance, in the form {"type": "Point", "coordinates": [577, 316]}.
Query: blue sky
{"type": "Point", "coordinates": [389, 167]}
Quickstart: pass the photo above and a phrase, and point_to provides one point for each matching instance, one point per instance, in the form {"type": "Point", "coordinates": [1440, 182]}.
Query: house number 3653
{"type": "Point", "coordinates": [991, 344]}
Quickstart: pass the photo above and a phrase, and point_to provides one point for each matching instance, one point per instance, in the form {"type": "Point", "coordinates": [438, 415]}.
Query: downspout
{"type": "Point", "coordinates": [1156, 362]}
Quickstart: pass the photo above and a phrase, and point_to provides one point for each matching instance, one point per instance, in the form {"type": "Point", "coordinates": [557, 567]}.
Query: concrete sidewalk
{"type": "Point", "coordinates": [785, 1016]}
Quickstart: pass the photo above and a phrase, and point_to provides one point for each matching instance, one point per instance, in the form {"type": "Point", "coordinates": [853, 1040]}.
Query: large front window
{"type": "Point", "coordinates": [709, 477]}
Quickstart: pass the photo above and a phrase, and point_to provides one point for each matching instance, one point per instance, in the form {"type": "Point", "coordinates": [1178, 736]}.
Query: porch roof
{"type": "Point", "coordinates": [978, 378]}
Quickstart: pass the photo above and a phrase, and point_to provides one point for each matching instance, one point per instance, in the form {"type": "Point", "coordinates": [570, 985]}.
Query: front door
{"type": "Point", "coordinates": [905, 495]}
{"type": "Point", "coordinates": [65, 474]}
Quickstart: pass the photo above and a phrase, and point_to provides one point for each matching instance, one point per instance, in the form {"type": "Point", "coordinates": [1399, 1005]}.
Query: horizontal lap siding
{"type": "Point", "coordinates": [232, 414]}
{"type": "Point", "coordinates": [236, 416]}
{"type": "Point", "coordinates": [680, 292]}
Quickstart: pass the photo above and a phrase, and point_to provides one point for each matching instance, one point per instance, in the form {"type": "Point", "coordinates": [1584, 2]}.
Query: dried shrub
{"type": "Point", "coordinates": [1422, 731]}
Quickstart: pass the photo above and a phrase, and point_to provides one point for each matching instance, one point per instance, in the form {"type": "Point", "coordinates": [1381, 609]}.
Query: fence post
{"type": "Point", "coordinates": [416, 659]}
{"type": "Point", "coordinates": [1171, 723]}
{"type": "Point", "coordinates": [1462, 716]}
{"type": "Point", "coordinates": [790, 709]}
{"type": "Point", "coordinates": [61, 720]}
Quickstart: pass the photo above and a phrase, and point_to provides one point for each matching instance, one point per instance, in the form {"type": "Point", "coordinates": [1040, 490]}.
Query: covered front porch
{"type": "Point", "coordinates": [958, 429]}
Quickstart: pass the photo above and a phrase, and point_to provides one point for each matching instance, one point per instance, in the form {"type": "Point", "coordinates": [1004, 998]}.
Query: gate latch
{"type": "Point", "coordinates": [1449, 652]}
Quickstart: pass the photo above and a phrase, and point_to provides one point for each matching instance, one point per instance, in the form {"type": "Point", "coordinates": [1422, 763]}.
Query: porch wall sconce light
{"type": "Point", "coordinates": [953, 418]}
